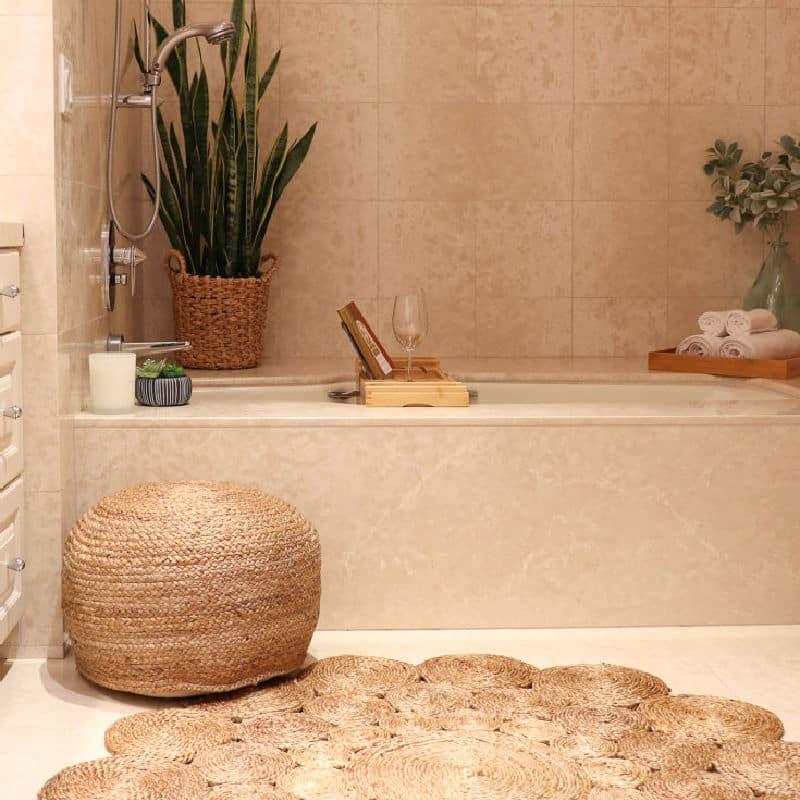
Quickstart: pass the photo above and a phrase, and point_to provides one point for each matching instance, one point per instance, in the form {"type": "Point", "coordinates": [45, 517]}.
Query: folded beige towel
{"type": "Point", "coordinates": [700, 344]}
{"type": "Point", "coordinates": [756, 321]}
{"type": "Point", "coordinates": [771, 344]}
{"type": "Point", "coordinates": [713, 322]}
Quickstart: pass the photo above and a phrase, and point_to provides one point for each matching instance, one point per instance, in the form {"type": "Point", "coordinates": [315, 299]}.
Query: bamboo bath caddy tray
{"type": "Point", "coordinates": [777, 369]}
{"type": "Point", "coordinates": [430, 385]}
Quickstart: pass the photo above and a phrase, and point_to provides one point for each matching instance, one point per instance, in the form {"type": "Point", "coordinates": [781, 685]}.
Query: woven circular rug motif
{"type": "Point", "coordinates": [477, 727]}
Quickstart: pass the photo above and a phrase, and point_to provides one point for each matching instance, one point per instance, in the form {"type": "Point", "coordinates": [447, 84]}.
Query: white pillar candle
{"type": "Point", "coordinates": [112, 377]}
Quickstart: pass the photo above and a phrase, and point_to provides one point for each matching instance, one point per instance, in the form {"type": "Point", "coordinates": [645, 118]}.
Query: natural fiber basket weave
{"type": "Point", "coordinates": [444, 766]}
{"type": "Point", "coordinates": [278, 695]}
{"type": "Point", "coordinates": [712, 718]}
{"type": "Point", "coordinates": [357, 737]}
{"type": "Point", "coordinates": [285, 730]}
{"type": "Point", "coordinates": [349, 709]}
{"type": "Point", "coordinates": [246, 791]}
{"type": "Point", "coordinates": [237, 762]}
{"type": "Point", "coordinates": [675, 784]}
{"type": "Point", "coordinates": [596, 684]}
{"type": "Point", "coordinates": [619, 773]}
{"type": "Point", "coordinates": [766, 767]}
{"type": "Point", "coordinates": [666, 751]}
{"type": "Point", "coordinates": [582, 745]}
{"type": "Point", "coordinates": [538, 730]}
{"type": "Point", "coordinates": [509, 703]}
{"type": "Point", "coordinates": [478, 671]}
{"type": "Point", "coordinates": [223, 318]}
{"type": "Point", "coordinates": [175, 589]}
{"type": "Point", "coordinates": [611, 722]}
{"type": "Point", "coordinates": [427, 700]}
{"type": "Point", "coordinates": [121, 777]}
{"type": "Point", "coordinates": [318, 783]}
{"type": "Point", "coordinates": [169, 735]}
{"type": "Point", "coordinates": [326, 754]}
{"type": "Point", "coordinates": [361, 674]}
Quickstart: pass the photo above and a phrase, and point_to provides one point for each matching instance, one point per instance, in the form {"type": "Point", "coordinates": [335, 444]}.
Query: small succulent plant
{"type": "Point", "coordinates": [160, 369]}
{"type": "Point", "coordinates": [759, 192]}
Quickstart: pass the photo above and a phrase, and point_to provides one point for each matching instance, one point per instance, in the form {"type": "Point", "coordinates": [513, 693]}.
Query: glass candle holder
{"type": "Point", "coordinates": [112, 378]}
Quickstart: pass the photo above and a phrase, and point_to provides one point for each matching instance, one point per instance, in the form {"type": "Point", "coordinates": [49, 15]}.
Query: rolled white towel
{"type": "Point", "coordinates": [713, 322]}
{"type": "Point", "coordinates": [700, 344]}
{"type": "Point", "coordinates": [756, 321]}
{"type": "Point", "coordinates": [771, 344]}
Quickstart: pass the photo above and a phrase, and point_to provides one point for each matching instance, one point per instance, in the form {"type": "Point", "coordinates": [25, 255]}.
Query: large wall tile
{"type": "Point", "coordinates": [717, 55]}
{"type": "Point", "coordinates": [430, 245]}
{"type": "Point", "coordinates": [524, 248]}
{"type": "Point", "coordinates": [618, 326]}
{"type": "Point", "coordinates": [621, 55]}
{"type": "Point", "coordinates": [330, 52]}
{"type": "Point", "coordinates": [427, 54]}
{"type": "Point", "coordinates": [783, 59]}
{"type": "Point", "coordinates": [706, 257]}
{"type": "Point", "coordinates": [522, 152]}
{"type": "Point", "coordinates": [427, 151]}
{"type": "Point", "coordinates": [525, 54]}
{"type": "Point", "coordinates": [620, 250]}
{"type": "Point", "coordinates": [523, 327]}
{"type": "Point", "coordinates": [619, 152]}
{"type": "Point", "coordinates": [343, 160]}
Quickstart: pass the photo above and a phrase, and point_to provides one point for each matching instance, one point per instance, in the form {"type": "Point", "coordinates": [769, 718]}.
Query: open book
{"type": "Point", "coordinates": [367, 345]}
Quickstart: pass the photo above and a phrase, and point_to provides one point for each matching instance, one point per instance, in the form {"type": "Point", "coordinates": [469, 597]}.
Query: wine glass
{"type": "Point", "coordinates": [409, 323]}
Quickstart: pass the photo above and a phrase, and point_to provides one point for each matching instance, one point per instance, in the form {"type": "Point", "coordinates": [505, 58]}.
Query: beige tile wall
{"type": "Point", "coordinates": [536, 166]}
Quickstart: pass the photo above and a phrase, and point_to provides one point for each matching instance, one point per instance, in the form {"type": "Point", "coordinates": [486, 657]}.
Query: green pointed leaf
{"type": "Point", "coordinates": [266, 78]}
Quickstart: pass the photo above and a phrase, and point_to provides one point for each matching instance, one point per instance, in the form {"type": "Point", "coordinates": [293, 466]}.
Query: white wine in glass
{"type": "Point", "coordinates": [410, 323]}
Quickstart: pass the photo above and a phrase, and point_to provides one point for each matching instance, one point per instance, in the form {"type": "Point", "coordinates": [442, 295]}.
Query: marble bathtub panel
{"type": "Point", "coordinates": [501, 527]}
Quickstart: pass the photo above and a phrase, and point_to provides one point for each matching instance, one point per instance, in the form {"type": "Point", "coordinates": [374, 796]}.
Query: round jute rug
{"type": "Point", "coordinates": [475, 727]}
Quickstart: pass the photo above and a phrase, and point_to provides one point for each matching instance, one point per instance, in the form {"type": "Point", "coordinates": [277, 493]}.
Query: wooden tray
{"type": "Point", "coordinates": [670, 361]}
{"type": "Point", "coordinates": [430, 385]}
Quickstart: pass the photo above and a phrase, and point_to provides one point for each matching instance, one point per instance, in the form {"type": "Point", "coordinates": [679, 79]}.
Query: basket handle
{"type": "Point", "coordinates": [267, 273]}
{"type": "Point", "coordinates": [171, 257]}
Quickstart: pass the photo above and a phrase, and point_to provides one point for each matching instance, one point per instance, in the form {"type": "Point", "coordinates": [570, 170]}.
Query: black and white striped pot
{"type": "Point", "coordinates": [163, 391]}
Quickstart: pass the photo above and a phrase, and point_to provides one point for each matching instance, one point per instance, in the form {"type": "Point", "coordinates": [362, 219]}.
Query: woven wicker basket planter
{"type": "Point", "coordinates": [176, 589]}
{"type": "Point", "coordinates": [223, 318]}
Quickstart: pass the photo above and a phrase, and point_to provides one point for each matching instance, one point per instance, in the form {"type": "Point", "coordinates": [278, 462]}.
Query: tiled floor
{"type": "Point", "coordinates": [50, 717]}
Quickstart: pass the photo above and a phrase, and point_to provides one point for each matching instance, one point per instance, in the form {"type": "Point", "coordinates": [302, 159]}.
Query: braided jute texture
{"type": "Point", "coordinates": [237, 762]}
{"type": "Point", "coordinates": [583, 746]}
{"type": "Point", "coordinates": [538, 730]}
{"type": "Point", "coordinates": [357, 737]}
{"type": "Point", "coordinates": [596, 684]}
{"type": "Point", "coordinates": [478, 671]}
{"type": "Point", "coordinates": [508, 703]}
{"type": "Point", "coordinates": [285, 730]}
{"type": "Point", "coordinates": [362, 674]}
{"type": "Point", "coordinates": [171, 735]}
{"type": "Point", "coordinates": [120, 777]}
{"type": "Point", "coordinates": [615, 772]}
{"type": "Point", "coordinates": [349, 709]}
{"type": "Point", "coordinates": [328, 754]}
{"type": "Point", "coordinates": [766, 767]}
{"type": "Point", "coordinates": [711, 718]}
{"type": "Point", "coordinates": [613, 793]}
{"type": "Point", "coordinates": [610, 722]}
{"type": "Point", "coordinates": [280, 694]}
{"type": "Point", "coordinates": [443, 766]}
{"type": "Point", "coordinates": [174, 589]}
{"type": "Point", "coordinates": [427, 700]}
{"type": "Point", "coordinates": [667, 751]}
{"type": "Point", "coordinates": [671, 784]}
{"type": "Point", "coordinates": [318, 783]}
{"type": "Point", "coordinates": [246, 791]}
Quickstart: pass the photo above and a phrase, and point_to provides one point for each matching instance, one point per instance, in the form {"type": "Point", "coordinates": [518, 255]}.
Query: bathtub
{"type": "Point", "coordinates": [640, 500]}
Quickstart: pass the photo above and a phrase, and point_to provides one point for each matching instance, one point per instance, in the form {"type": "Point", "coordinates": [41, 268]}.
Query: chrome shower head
{"type": "Point", "coordinates": [213, 32]}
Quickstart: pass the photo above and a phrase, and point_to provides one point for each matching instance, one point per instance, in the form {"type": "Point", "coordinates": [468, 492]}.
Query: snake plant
{"type": "Point", "coordinates": [218, 194]}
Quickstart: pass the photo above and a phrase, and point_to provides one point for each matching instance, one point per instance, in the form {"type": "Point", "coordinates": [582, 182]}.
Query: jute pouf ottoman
{"type": "Point", "coordinates": [175, 589]}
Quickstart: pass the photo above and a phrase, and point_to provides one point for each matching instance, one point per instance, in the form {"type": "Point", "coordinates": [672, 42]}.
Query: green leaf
{"type": "Point", "coordinates": [266, 78]}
